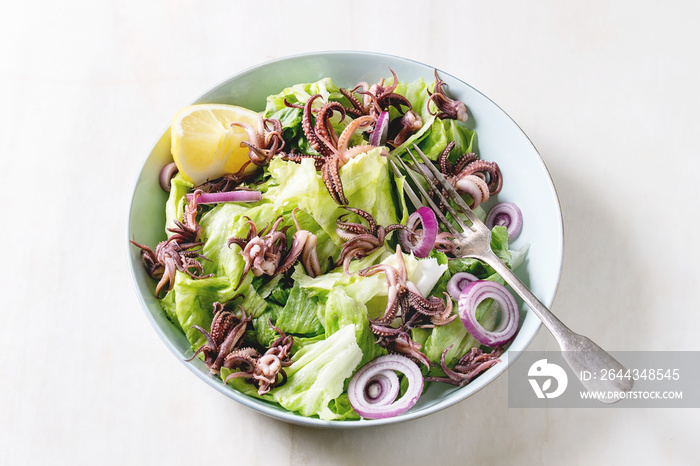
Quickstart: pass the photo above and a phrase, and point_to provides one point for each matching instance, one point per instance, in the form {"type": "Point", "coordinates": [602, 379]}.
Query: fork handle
{"type": "Point", "coordinates": [580, 352]}
{"type": "Point", "coordinates": [560, 331]}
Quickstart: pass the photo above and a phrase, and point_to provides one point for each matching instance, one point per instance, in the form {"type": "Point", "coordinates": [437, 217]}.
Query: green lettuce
{"type": "Point", "coordinates": [291, 118]}
{"type": "Point", "coordinates": [366, 182]}
{"type": "Point", "coordinates": [193, 303]}
{"type": "Point", "coordinates": [300, 314]}
{"type": "Point", "coordinates": [444, 131]}
{"type": "Point", "coordinates": [417, 93]}
{"type": "Point", "coordinates": [190, 302]}
{"type": "Point", "coordinates": [436, 133]}
{"type": "Point", "coordinates": [345, 300]}
{"type": "Point", "coordinates": [354, 299]}
{"type": "Point", "coordinates": [318, 374]}
{"type": "Point", "coordinates": [340, 311]}
{"type": "Point", "coordinates": [300, 93]}
{"type": "Point", "coordinates": [175, 206]}
{"type": "Point", "coordinates": [454, 334]}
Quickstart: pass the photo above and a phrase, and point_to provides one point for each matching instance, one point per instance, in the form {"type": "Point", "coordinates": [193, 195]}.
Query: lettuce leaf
{"type": "Point", "coordinates": [342, 409]}
{"type": "Point", "coordinates": [264, 334]}
{"type": "Point", "coordinates": [193, 303]}
{"type": "Point", "coordinates": [436, 133]}
{"type": "Point", "coordinates": [300, 93]}
{"type": "Point", "coordinates": [366, 181]}
{"type": "Point", "coordinates": [454, 334]}
{"type": "Point", "coordinates": [318, 374]}
{"type": "Point", "coordinates": [290, 118]}
{"type": "Point", "coordinates": [175, 206]}
{"type": "Point", "coordinates": [340, 311]}
{"type": "Point", "coordinates": [190, 302]}
{"type": "Point", "coordinates": [441, 133]}
{"type": "Point", "coordinates": [499, 244]}
{"type": "Point", "coordinates": [354, 299]}
{"type": "Point", "coordinates": [344, 300]}
{"type": "Point", "coordinates": [417, 93]}
{"type": "Point", "coordinates": [300, 314]}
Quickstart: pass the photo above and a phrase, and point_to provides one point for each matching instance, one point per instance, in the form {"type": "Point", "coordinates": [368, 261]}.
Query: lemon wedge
{"type": "Point", "coordinates": [205, 146]}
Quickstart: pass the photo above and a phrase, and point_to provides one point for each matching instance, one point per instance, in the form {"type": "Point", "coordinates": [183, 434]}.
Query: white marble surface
{"type": "Point", "coordinates": [606, 90]}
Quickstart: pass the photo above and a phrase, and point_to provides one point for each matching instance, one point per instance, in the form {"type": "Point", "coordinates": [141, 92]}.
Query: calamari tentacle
{"type": "Point", "coordinates": [357, 109]}
{"type": "Point", "coordinates": [308, 128]}
{"type": "Point", "coordinates": [208, 347]}
{"type": "Point", "coordinates": [352, 128]}
{"type": "Point", "coordinates": [495, 177]}
{"type": "Point", "coordinates": [324, 129]}
{"type": "Point", "coordinates": [447, 107]}
{"type": "Point", "coordinates": [298, 242]}
{"type": "Point", "coordinates": [443, 162]}
{"type": "Point", "coordinates": [349, 229]}
{"type": "Point", "coordinates": [319, 160]}
{"type": "Point", "coordinates": [444, 242]}
{"type": "Point", "coordinates": [303, 244]}
{"type": "Point", "coordinates": [331, 176]}
{"type": "Point", "coordinates": [309, 257]}
{"type": "Point", "coordinates": [472, 364]}
{"type": "Point", "coordinates": [371, 222]}
{"type": "Point", "coordinates": [464, 161]}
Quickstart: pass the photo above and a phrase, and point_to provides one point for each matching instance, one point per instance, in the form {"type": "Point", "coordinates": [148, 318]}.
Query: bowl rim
{"type": "Point", "coordinates": [280, 414]}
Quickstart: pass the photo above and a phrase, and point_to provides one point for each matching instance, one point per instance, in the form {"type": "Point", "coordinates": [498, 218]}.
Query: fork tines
{"type": "Point", "coordinates": [449, 189]}
{"type": "Point", "coordinates": [428, 200]}
{"type": "Point", "coordinates": [407, 188]}
{"type": "Point", "coordinates": [429, 171]}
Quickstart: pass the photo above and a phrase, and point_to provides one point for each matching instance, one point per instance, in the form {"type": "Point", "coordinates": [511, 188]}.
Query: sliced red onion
{"type": "Point", "coordinates": [373, 389]}
{"type": "Point", "coordinates": [383, 388]}
{"type": "Point", "coordinates": [458, 282]}
{"type": "Point", "coordinates": [508, 215]}
{"type": "Point", "coordinates": [381, 130]}
{"type": "Point", "coordinates": [228, 196]}
{"type": "Point", "coordinates": [166, 174]}
{"type": "Point", "coordinates": [420, 242]}
{"type": "Point", "coordinates": [472, 295]}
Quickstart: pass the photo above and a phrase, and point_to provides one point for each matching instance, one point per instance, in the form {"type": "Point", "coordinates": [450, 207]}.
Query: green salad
{"type": "Point", "coordinates": [307, 278]}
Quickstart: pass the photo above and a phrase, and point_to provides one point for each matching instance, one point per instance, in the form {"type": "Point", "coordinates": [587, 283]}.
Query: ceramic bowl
{"type": "Point", "coordinates": [527, 183]}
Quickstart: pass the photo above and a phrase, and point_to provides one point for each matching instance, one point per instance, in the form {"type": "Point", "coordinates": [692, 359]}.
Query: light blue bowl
{"type": "Point", "coordinates": [526, 182]}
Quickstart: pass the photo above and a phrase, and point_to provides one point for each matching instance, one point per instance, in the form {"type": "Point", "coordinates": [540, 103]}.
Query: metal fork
{"type": "Point", "coordinates": [474, 240]}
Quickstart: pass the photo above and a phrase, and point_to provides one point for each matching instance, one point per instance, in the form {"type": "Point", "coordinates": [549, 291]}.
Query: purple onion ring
{"type": "Point", "coordinates": [381, 130]}
{"type": "Point", "coordinates": [383, 388]}
{"type": "Point", "coordinates": [421, 242]}
{"type": "Point", "coordinates": [242, 195]}
{"type": "Point", "coordinates": [457, 283]}
{"type": "Point", "coordinates": [373, 389]}
{"type": "Point", "coordinates": [508, 215]}
{"type": "Point", "coordinates": [476, 292]}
